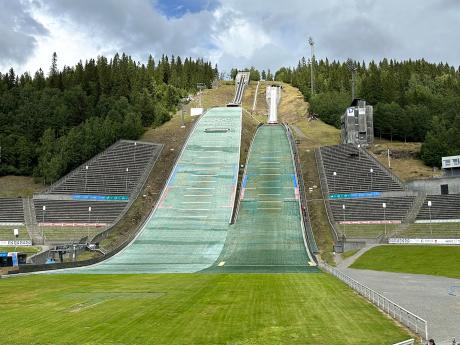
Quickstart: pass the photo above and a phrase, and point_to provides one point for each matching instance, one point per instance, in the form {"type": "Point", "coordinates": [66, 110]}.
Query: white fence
{"type": "Point", "coordinates": [410, 320]}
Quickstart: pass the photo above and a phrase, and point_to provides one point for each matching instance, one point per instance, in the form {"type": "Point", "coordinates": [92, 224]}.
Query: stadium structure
{"type": "Point", "coordinates": [211, 217]}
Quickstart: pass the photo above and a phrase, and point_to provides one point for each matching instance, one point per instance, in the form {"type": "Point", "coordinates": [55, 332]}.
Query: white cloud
{"type": "Point", "coordinates": [234, 33]}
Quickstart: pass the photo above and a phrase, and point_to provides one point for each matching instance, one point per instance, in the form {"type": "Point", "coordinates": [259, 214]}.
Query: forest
{"type": "Point", "coordinates": [51, 123]}
{"type": "Point", "coordinates": [412, 100]}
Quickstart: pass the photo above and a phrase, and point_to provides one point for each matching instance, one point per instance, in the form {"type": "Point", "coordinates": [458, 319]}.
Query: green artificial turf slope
{"type": "Point", "coordinates": [189, 309]}
{"type": "Point", "coordinates": [432, 260]}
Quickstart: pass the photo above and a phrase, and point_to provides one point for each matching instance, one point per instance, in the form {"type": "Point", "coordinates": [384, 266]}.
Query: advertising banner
{"type": "Point", "coordinates": [355, 195]}
{"type": "Point", "coordinates": [437, 241]}
{"type": "Point", "coordinates": [15, 243]}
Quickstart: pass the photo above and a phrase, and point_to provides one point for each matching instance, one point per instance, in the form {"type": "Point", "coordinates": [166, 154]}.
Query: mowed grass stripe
{"type": "Point", "coordinates": [432, 260]}
{"type": "Point", "coordinates": [189, 309]}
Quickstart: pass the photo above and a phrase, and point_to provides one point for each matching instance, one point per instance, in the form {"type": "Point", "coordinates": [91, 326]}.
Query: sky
{"type": "Point", "coordinates": [230, 33]}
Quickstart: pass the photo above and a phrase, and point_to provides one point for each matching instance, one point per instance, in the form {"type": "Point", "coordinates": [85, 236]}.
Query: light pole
{"type": "Point", "coordinates": [352, 68]}
{"type": "Point", "coordinates": [371, 171]}
{"type": "Point", "coordinates": [343, 208]}
{"type": "Point", "coordinates": [384, 205]}
{"type": "Point", "coordinates": [86, 176]}
{"type": "Point", "coordinates": [312, 61]}
{"type": "Point", "coordinates": [135, 146]}
{"type": "Point", "coordinates": [359, 151]}
{"type": "Point", "coordinates": [429, 210]}
{"type": "Point", "coordinates": [43, 222]}
{"type": "Point", "coordinates": [334, 174]}
{"type": "Point", "coordinates": [89, 221]}
{"type": "Point", "coordinates": [127, 170]}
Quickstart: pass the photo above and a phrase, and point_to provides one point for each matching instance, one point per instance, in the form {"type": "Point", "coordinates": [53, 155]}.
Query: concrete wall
{"type": "Point", "coordinates": [433, 186]}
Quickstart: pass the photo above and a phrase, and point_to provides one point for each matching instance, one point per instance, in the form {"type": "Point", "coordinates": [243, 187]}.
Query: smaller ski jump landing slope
{"type": "Point", "coordinates": [268, 234]}
{"type": "Point", "coordinates": [186, 232]}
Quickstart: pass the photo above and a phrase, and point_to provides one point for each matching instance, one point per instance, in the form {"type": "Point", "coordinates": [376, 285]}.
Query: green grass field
{"type": "Point", "coordinates": [189, 309]}
{"type": "Point", "coordinates": [432, 260]}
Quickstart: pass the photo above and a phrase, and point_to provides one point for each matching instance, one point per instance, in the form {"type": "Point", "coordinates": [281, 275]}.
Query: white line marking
{"type": "Point", "coordinates": [195, 202]}
{"type": "Point", "coordinates": [200, 188]}
{"type": "Point", "coordinates": [269, 194]}
{"type": "Point", "coordinates": [199, 195]}
{"type": "Point", "coordinates": [269, 208]}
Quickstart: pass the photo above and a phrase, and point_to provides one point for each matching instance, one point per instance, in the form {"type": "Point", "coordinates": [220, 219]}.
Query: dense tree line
{"type": "Point", "coordinates": [413, 100]}
{"type": "Point", "coordinates": [254, 74]}
{"type": "Point", "coordinates": [49, 124]}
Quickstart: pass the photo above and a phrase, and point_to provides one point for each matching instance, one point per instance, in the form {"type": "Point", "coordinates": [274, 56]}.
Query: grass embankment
{"type": "Point", "coordinates": [309, 135]}
{"type": "Point", "coordinates": [7, 234]}
{"type": "Point", "coordinates": [404, 159]}
{"type": "Point", "coordinates": [19, 186]}
{"type": "Point", "coordinates": [190, 309]}
{"type": "Point", "coordinates": [27, 250]}
{"type": "Point", "coordinates": [432, 260]}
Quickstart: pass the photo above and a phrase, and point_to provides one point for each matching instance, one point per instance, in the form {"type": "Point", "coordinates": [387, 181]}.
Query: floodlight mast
{"type": "Point", "coordinates": [352, 68]}
{"type": "Point", "coordinates": [312, 62]}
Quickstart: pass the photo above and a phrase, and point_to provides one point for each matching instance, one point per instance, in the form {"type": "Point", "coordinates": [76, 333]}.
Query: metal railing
{"type": "Point", "coordinates": [404, 316]}
{"type": "Point", "coordinates": [305, 213]}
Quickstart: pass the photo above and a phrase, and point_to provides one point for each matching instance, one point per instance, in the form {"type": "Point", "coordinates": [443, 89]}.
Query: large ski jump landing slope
{"type": "Point", "coordinates": [189, 230]}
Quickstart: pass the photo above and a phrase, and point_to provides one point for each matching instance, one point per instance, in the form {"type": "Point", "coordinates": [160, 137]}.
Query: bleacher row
{"type": "Point", "coordinates": [11, 210]}
{"type": "Point", "coordinates": [443, 207]}
{"type": "Point", "coordinates": [78, 211]}
{"type": "Point", "coordinates": [116, 171]}
{"type": "Point", "coordinates": [352, 167]}
{"type": "Point", "coordinates": [371, 209]}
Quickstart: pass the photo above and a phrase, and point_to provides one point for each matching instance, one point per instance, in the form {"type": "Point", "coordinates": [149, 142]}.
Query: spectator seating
{"type": "Point", "coordinates": [434, 230]}
{"type": "Point", "coordinates": [11, 210]}
{"type": "Point", "coordinates": [67, 211]}
{"type": "Point", "coordinates": [116, 171]}
{"type": "Point", "coordinates": [443, 207]}
{"type": "Point", "coordinates": [352, 167]}
{"type": "Point", "coordinates": [370, 209]}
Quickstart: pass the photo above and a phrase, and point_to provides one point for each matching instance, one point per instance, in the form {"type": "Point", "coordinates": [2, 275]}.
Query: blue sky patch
{"type": "Point", "coordinates": [178, 8]}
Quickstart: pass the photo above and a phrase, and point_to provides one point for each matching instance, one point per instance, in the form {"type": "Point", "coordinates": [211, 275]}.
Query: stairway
{"type": "Point", "coordinates": [31, 222]}
{"type": "Point", "coordinates": [411, 214]}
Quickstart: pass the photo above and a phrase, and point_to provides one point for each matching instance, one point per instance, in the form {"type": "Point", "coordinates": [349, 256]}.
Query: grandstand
{"type": "Point", "coordinates": [352, 167]}
{"type": "Point", "coordinates": [11, 210]}
{"type": "Point", "coordinates": [116, 171]}
{"type": "Point", "coordinates": [443, 208]}
{"type": "Point", "coordinates": [65, 211]}
{"type": "Point", "coordinates": [371, 209]}
{"type": "Point", "coordinates": [97, 193]}
{"type": "Point", "coordinates": [354, 179]}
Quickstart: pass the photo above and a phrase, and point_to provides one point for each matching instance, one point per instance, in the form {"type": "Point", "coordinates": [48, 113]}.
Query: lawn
{"type": "Point", "coordinates": [189, 309]}
{"type": "Point", "coordinates": [28, 250]}
{"type": "Point", "coordinates": [432, 260]}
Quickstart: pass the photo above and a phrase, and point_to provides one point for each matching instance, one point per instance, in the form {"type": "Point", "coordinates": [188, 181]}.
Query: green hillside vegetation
{"type": "Point", "coordinates": [413, 100]}
{"type": "Point", "coordinates": [51, 124]}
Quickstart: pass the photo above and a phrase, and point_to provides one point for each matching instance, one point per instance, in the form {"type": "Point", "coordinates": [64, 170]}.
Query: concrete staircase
{"type": "Point", "coordinates": [31, 222]}
{"type": "Point", "coordinates": [411, 214]}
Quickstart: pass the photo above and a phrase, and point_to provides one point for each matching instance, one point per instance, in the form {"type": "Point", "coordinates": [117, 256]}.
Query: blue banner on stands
{"type": "Point", "coordinates": [100, 197]}
{"type": "Point", "coordinates": [355, 195]}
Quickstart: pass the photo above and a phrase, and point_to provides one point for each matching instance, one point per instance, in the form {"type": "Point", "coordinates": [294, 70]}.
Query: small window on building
{"type": "Point", "coordinates": [455, 161]}
{"type": "Point", "coordinates": [447, 162]}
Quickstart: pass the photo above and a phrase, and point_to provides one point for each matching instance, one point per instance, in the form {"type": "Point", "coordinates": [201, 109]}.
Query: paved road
{"type": "Point", "coordinates": [424, 295]}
